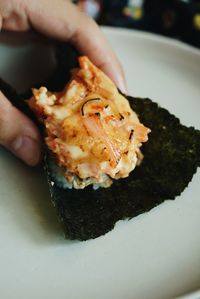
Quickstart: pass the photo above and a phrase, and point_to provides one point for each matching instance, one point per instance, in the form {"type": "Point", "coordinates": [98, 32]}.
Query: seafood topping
{"type": "Point", "coordinates": [90, 128]}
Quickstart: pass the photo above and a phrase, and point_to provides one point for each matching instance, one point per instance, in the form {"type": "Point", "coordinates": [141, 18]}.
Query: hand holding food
{"type": "Point", "coordinates": [60, 20]}
{"type": "Point", "coordinates": [91, 130]}
{"type": "Point", "coordinates": [168, 162]}
{"type": "Point", "coordinates": [92, 135]}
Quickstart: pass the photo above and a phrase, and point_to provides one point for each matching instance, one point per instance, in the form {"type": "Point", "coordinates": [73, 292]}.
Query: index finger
{"type": "Point", "coordinates": [64, 21]}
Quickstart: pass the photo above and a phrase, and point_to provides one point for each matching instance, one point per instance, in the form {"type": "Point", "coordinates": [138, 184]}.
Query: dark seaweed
{"type": "Point", "coordinates": [66, 58]}
{"type": "Point", "coordinates": [88, 214]}
{"type": "Point", "coordinates": [90, 100]}
{"type": "Point", "coordinates": [15, 99]}
{"type": "Point", "coordinates": [172, 153]}
{"type": "Point", "coordinates": [171, 158]}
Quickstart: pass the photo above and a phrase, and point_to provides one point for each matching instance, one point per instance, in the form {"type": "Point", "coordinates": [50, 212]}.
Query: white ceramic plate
{"type": "Point", "coordinates": [155, 255]}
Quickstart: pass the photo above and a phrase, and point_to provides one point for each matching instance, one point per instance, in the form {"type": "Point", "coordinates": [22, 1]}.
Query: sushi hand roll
{"type": "Point", "coordinates": [92, 133]}
{"type": "Point", "coordinates": [89, 213]}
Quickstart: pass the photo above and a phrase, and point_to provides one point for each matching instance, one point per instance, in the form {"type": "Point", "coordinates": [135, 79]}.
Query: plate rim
{"type": "Point", "coordinates": [153, 37]}
{"type": "Point", "coordinates": [164, 40]}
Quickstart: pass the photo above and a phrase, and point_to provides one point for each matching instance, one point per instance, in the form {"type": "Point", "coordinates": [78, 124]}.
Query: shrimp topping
{"type": "Point", "coordinates": [91, 130]}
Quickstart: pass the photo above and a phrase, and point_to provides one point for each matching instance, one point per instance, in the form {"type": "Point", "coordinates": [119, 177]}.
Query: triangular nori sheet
{"type": "Point", "coordinates": [171, 157]}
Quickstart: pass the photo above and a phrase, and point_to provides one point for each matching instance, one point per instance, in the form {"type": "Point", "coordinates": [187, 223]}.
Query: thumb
{"type": "Point", "coordinates": [18, 134]}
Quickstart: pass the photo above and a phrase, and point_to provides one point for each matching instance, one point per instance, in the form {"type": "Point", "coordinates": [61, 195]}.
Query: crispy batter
{"type": "Point", "coordinates": [90, 127]}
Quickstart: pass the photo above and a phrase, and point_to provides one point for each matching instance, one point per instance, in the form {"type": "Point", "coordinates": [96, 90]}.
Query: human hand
{"type": "Point", "coordinates": [61, 20]}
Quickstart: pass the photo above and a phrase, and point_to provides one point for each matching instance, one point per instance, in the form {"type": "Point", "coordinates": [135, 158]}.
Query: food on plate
{"type": "Point", "coordinates": [90, 129]}
{"type": "Point", "coordinates": [170, 159]}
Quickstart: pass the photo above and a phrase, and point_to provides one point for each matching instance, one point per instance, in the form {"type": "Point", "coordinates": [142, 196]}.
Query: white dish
{"type": "Point", "coordinates": [155, 255]}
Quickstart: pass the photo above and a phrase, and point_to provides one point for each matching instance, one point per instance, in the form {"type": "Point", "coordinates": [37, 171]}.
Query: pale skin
{"type": "Point", "coordinates": [61, 20]}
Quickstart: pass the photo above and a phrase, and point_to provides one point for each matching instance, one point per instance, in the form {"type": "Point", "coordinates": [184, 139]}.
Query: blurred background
{"type": "Point", "coordinates": [179, 19]}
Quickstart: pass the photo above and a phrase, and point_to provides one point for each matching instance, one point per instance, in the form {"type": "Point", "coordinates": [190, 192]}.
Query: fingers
{"type": "Point", "coordinates": [93, 43]}
{"type": "Point", "coordinates": [13, 16]}
{"type": "Point", "coordinates": [18, 134]}
{"type": "Point", "coordinates": [64, 21]}
{"type": "Point", "coordinates": [1, 21]}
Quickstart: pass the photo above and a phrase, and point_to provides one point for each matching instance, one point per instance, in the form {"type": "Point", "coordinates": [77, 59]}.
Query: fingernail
{"type": "Point", "coordinates": [121, 83]}
{"type": "Point", "coordinates": [26, 149]}
{"type": "Point", "coordinates": [123, 87]}
{"type": "Point", "coordinates": [113, 71]}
